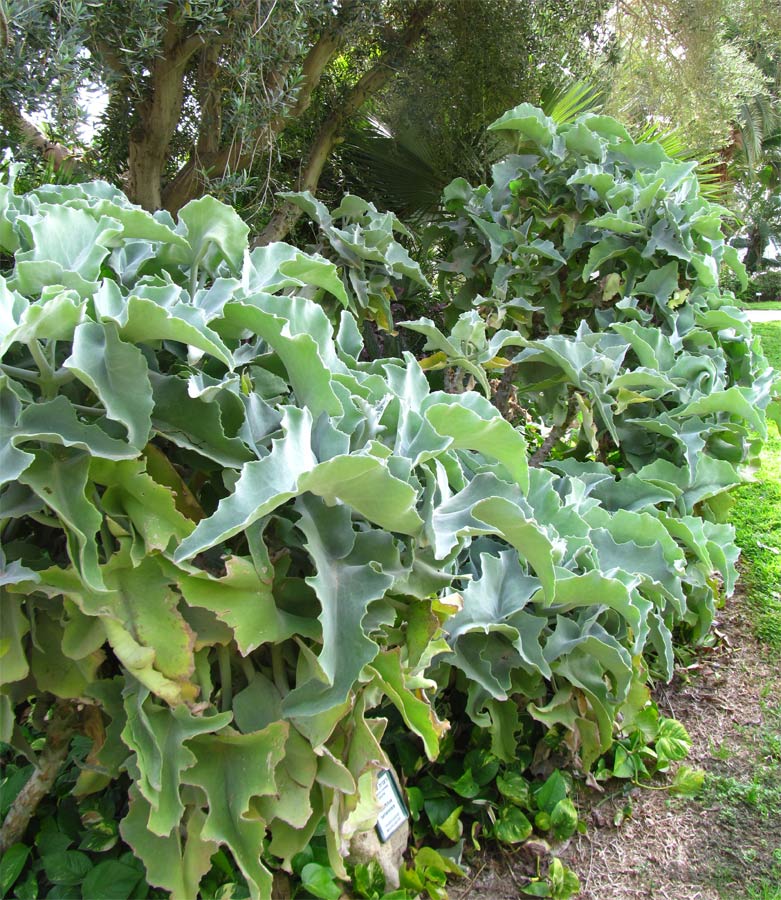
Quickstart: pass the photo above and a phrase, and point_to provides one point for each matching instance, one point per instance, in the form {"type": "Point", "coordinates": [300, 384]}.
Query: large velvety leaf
{"type": "Point", "coordinates": [21, 321]}
{"type": "Point", "coordinates": [734, 401]}
{"type": "Point", "coordinates": [527, 536]}
{"type": "Point", "coordinates": [295, 778]}
{"type": "Point", "coordinates": [142, 600]}
{"type": "Point", "coordinates": [494, 437]}
{"type": "Point", "coordinates": [418, 714]}
{"type": "Point", "coordinates": [63, 676]}
{"type": "Point", "coordinates": [14, 665]}
{"type": "Point", "coordinates": [211, 224]}
{"type": "Point", "coordinates": [350, 576]}
{"type": "Point", "coordinates": [530, 121]}
{"type": "Point", "coordinates": [137, 223]}
{"type": "Point", "coordinates": [176, 861]}
{"type": "Point", "coordinates": [366, 484]}
{"type": "Point", "coordinates": [232, 769]}
{"type": "Point", "coordinates": [279, 265]}
{"type": "Point", "coordinates": [301, 352]}
{"type": "Point", "coordinates": [60, 479]}
{"type": "Point", "coordinates": [243, 599]}
{"type": "Point", "coordinates": [454, 519]}
{"type": "Point", "coordinates": [263, 486]}
{"type": "Point", "coordinates": [363, 482]}
{"type": "Point", "coordinates": [56, 422]}
{"type": "Point", "coordinates": [117, 373]}
{"type": "Point", "coordinates": [64, 242]}
{"type": "Point", "coordinates": [150, 506]}
{"type": "Point", "coordinates": [142, 321]}
{"type": "Point", "coordinates": [157, 735]}
{"type": "Point", "coordinates": [194, 424]}
{"type": "Point", "coordinates": [137, 608]}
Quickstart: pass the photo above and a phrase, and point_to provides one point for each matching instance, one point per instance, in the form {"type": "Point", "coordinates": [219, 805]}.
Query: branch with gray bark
{"type": "Point", "coordinates": [208, 160]}
{"type": "Point", "coordinates": [59, 731]}
{"type": "Point", "coordinates": [332, 129]}
{"type": "Point", "coordinates": [555, 434]}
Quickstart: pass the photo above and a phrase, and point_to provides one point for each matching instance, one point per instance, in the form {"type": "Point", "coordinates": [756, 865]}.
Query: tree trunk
{"type": "Point", "coordinates": [756, 248]}
{"type": "Point", "coordinates": [209, 158]}
{"type": "Point", "coordinates": [332, 129]}
{"type": "Point", "coordinates": [159, 115]}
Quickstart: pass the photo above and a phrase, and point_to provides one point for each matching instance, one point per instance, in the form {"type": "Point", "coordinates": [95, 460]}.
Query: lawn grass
{"type": "Point", "coordinates": [764, 304]}
{"type": "Point", "coordinates": [757, 519]}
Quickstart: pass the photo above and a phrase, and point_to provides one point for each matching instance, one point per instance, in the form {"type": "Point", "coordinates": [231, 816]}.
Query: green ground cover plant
{"type": "Point", "coordinates": [248, 566]}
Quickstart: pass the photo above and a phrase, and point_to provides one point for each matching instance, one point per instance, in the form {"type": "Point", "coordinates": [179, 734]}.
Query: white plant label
{"type": "Point", "coordinates": [393, 813]}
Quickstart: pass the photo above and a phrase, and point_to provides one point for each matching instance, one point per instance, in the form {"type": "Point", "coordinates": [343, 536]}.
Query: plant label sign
{"type": "Point", "coordinates": [393, 813]}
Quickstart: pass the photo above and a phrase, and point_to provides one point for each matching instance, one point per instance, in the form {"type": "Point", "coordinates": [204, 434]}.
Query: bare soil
{"type": "Point", "coordinates": [646, 844]}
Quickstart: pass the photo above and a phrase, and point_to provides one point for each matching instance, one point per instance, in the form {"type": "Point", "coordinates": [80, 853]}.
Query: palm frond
{"type": "Point", "coordinates": [711, 173]}
{"type": "Point", "coordinates": [565, 104]}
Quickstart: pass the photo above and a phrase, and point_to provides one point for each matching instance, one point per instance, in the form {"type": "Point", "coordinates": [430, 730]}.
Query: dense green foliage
{"type": "Point", "coordinates": [260, 558]}
{"type": "Point", "coordinates": [764, 288]}
{"type": "Point", "coordinates": [714, 75]}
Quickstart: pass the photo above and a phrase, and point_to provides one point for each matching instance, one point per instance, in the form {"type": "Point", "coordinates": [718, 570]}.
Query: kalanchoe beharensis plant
{"type": "Point", "coordinates": [594, 264]}
{"type": "Point", "coordinates": [241, 551]}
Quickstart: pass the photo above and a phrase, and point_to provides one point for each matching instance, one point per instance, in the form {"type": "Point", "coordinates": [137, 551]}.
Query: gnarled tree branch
{"type": "Point", "coordinates": [333, 127]}
{"type": "Point", "coordinates": [159, 115]}
{"type": "Point", "coordinates": [59, 732]}
{"type": "Point", "coordinates": [59, 156]}
{"type": "Point", "coordinates": [188, 183]}
{"type": "Point", "coordinates": [543, 451]}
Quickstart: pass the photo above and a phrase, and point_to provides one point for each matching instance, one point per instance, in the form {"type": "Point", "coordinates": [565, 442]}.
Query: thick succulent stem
{"type": "Point", "coordinates": [543, 452]}
{"type": "Point", "coordinates": [55, 751]}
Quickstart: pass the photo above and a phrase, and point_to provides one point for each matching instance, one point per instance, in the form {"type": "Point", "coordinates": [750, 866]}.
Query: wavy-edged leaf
{"type": "Point", "coordinates": [351, 574]}
{"type": "Point", "coordinates": [231, 769]}
{"type": "Point", "coordinates": [243, 599]}
{"type": "Point", "coordinates": [214, 226]}
{"type": "Point", "coordinates": [367, 485]}
{"type": "Point", "coordinates": [53, 319]}
{"type": "Point", "coordinates": [301, 352]}
{"type": "Point", "coordinates": [194, 424]}
{"type": "Point", "coordinates": [14, 664]}
{"type": "Point", "coordinates": [492, 437]}
{"type": "Point", "coordinates": [418, 714]}
{"type": "Point", "coordinates": [175, 862]}
{"type": "Point", "coordinates": [142, 321]}
{"type": "Point", "coordinates": [279, 265]}
{"type": "Point", "coordinates": [67, 247]}
{"type": "Point", "coordinates": [60, 479]}
{"type": "Point", "coordinates": [158, 735]}
{"type": "Point", "coordinates": [56, 422]}
{"type": "Point", "coordinates": [150, 506]}
{"type": "Point", "coordinates": [262, 486]}
{"type": "Point", "coordinates": [530, 121]}
{"type": "Point", "coordinates": [117, 373]}
{"type": "Point", "coordinates": [734, 401]}
{"type": "Point", "coordinates": [526, 535]}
